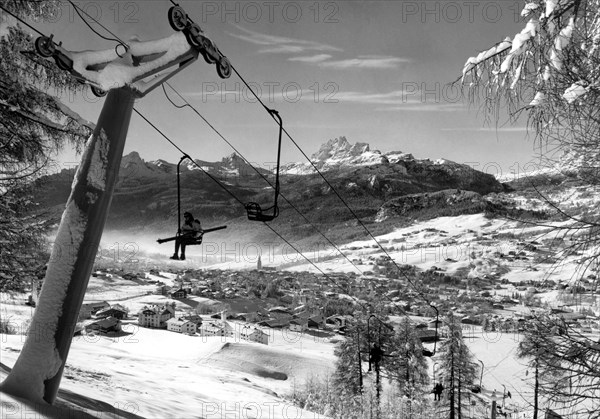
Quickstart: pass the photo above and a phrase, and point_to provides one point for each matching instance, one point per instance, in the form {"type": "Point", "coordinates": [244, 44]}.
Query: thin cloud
{"type": "Point", "coordinates": [485, 129]}
{"type": "Point", "coordinates": [280, 44]}
{"type": "Point", "coordinates": [368, 62]}
{"type": "Point", "coordinates": [399, 100]}
{"type": "Point", "coordinates": [311, 59]}
{"type": "Point", "coordinates": [395, 97]}
{"type": "Point", "coordinates": [425, 107]}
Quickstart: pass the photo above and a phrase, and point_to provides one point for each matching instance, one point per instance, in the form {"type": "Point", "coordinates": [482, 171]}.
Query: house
{"type": "Point", "coordinates": [216, 329]}
{"type": "Point", "coordinates": [298, 325]}
{"type": "Point", "coordinates": [162, 289]}
{"type": "Point", "coordinates": [432, 324]}
{"type": "Point", "coordinates": [194, 318]}
{"type": "Point", "coordinates": [427, 335]}
{"type": "Point", "coordinates": [469, 320]}
{"type": "Point", "coordinates": [338, 321]}
{"type": "Point", "coordinates": [180, 325]}
{"type": "Point", "coordinates": [155, 316]}
{"type": "Point", "coordinates": [87, 309]}
{"type": "Point", "coordinates": [105, 326]}
{"type": "Point", "coordinates": [253, 334]}
{"type": "Point", "coordinates": [248, 317]}
{"type": "Point", "coordinates": [280, 313]}
{"type": "Point", "coordinates": [179, 294]}
{"type": "Point", "coordinates": [274, 323]}
{"type": "Point", "coordinates": [316, 322]}
{"type": "Point", "coordinates": [117, 311]}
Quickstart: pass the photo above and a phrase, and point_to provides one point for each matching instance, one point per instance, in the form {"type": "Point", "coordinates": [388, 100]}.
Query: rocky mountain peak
{"type": "Point", "coordinates": [131, 158]}
{"type": "Point", "coordinates": [339, 148]}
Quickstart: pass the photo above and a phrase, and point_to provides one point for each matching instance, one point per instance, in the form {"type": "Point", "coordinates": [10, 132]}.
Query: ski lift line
{"type": "Point", "coordinates": [21, 20]}
{"type": "Point", "coordinates": [187, 104]}
{"type": "Point", "coordinates": [79, 10]}
{"type": "Point", "coordinates": [282, 129]}
{"type": "Point", "coordinates": [270, 112]}
{"type": "Point", "coordinates": [237, 199]}
{"type": "Point", "coordinates": [334, 190]}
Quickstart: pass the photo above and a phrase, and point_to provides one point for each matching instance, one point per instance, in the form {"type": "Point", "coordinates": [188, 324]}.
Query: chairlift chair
{"type": "Point", "coordinates": [194, 241]}
{"type": "Point", "coordinates": [254, 211]}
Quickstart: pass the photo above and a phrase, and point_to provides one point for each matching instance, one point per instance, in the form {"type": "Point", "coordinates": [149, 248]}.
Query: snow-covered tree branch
{"type": "Point", "coordinates": [550, 72]}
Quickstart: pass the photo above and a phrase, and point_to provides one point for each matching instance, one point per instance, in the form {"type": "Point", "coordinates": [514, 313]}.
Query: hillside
{"type": "Point", "coordinates": [145, 199]}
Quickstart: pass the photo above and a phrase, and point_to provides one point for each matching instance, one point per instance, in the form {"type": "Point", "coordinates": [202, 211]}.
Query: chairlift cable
{"type": "Point", "coordinates": [283, 129]}
{"type": "Point", "coordinates": [217, 181]}
{"type": "Point", "coordinates": [187, 104]}
{"type": "Point", "coordinates": [79, 10]}
{"type": "Point", "coordinates": [237, 199]}
{"type": "Point", "coordinates": [22, 21]}
{"type": "Point", "coordinates": [270, 111]}
{"type": "Point", "coordinates": [339, 196]}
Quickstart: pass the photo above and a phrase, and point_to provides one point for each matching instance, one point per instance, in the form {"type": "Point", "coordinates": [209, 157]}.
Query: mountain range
{"type": "Point", "coordinates": [370, 182]}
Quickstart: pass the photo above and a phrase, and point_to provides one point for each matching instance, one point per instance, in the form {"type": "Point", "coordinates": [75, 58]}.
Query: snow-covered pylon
{"type": "Point", "coordinates": [108, 69]}
{"type": "Point", "coordinates": [38, 371]}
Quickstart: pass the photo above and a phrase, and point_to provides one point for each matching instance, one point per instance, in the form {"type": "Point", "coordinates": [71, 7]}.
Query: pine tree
{"type": "Point", "coordinates": [563, 367]}
{"type": "Point", "coordinates": [460, 370]}
{"type": "Point", "coordinates": [34, 124]}
{"type": "Point", "coordinates": [408, 367]}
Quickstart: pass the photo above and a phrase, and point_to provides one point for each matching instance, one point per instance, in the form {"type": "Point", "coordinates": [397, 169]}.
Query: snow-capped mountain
{"type": "Point", "coordinates": [147, 191]}
{"type": "Point", "coordinates": [339, 152]}
{"type": "Point", "coordinates": [335, 153]}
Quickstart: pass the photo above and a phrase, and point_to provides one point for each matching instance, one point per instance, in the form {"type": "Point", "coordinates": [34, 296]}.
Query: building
{"type": "Point", "coordinates": [338, 320]}
{"type": "Point", "coordinates": [180, 325]}
{"type": "Point", "coordinates": [155, 316]}
{"type": "Point", "coordinates": [105, 326]}
{"type": "Point", "coordinates": [117, 311]}
{"type": "Point", "coordinates": [219, 328]}
{"type": "Point", "coordinates": [280, 313]}
{"type": "Point", "coordinates": [194, 318]}
{"type": "Point", "coordinates": [88, 309]}
{"type": "Point", "coordinates": [216, 329]}
{"type": "Point", "coordinates": [316, 322]}
{"type": "Point", "coordinates": [253, 334]}
{"type": "Point", "coordinates": [179, 294]}
{"type": "Point", "coordinates": [298, 325]}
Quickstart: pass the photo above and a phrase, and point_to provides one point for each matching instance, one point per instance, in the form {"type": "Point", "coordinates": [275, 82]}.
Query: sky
{"type": "Point", "coordinates": [373, 71]}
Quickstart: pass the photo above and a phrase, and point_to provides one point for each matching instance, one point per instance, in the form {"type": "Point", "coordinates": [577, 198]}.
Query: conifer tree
{"type": "Point", "coordinates": [408, 366]}
{"type": "Point", "coordinates": [34, 125]}
{"type": "Point", "coordinates": [460, 371]}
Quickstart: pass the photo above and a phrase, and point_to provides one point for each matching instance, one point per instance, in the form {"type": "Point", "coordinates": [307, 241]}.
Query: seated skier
{"type": "Point", "coordinates": [190, 232]}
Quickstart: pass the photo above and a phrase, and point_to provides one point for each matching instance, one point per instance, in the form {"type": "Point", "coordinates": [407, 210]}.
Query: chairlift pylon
{"type": "Point", "coordinates": [181, 22]}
